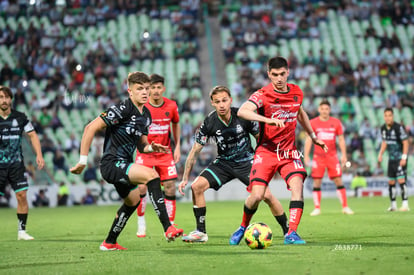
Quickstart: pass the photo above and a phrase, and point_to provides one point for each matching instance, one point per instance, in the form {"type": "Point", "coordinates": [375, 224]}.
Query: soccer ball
{"type": "Point", "coordinates": [258, 236]}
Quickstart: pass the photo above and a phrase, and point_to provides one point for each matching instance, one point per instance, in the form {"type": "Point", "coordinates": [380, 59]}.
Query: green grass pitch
{"type": "Point", "coordinates": [372, 241]}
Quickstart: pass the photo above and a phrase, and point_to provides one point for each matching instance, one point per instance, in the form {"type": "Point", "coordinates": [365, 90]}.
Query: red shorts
{"type": "Point", "coordinates": [267, 163]}
{"type": "Point", "coordinates": [162, 163]}
{"type": "Point", "coordinates": [319, 165]}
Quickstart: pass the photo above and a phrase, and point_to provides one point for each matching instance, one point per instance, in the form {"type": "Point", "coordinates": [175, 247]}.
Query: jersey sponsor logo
{"type": "Point", "coordinates": [287, 116]}
{"type": "Point", "coordinates": [10, 137]}
{"type": "Point", "coordinates": [326, 136]}
{"type": "Point", "coordinates": [158, 129]}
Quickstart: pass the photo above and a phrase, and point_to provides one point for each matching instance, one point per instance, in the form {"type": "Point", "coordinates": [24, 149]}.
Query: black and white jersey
{"type": "Point", "coordinates": [233, 140]}
{"type": "Point", "coordinates": [394, 136]}
{"type": "Point", "coordinates": [11, 131]}
{"type": "Point", "coordinates": [126, 125]}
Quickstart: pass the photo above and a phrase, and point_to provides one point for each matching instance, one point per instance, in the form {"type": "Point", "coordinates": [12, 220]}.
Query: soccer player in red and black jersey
{"type": "Point", "coordinates": [164, 114]}
{"type": "Point", "coordinates": [277, 107]}
{"type": "Point", "coordinates": [327, 129]}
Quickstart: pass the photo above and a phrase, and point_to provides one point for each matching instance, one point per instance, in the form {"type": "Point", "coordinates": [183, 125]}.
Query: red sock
{"type": "Point", "coordinates": [295, 214]}
{"type": "Point", "coordinates": [247, 216]}
{"type": "Point", "coordinates": [171, 205]}
{"type": "Point", "coordinates": [142, 206]}
{"type": "Point", "coordinates": [317, 195]}
{"type": "Point", "coordinates": [341, 192]}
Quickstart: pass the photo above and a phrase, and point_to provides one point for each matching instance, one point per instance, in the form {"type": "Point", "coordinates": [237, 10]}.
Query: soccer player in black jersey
{"type": "Point", "coordinates": [126, 126]}
{"type": "Point", "coordinates": [12, 169]}
{"type": "Point", "coordinates": [234, 160]}
{"type": "Point", "coordinates": [395, 141]}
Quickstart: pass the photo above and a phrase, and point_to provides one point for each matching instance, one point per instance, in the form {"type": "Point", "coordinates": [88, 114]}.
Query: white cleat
{"type": "Point", "coordinates": [195, 237]}
{"type": "Point", "coordinates": [316, 212]}
{"type": "Point", "coordinates": [22, 235]}
{"type": "Point", "coordinates": [404, 208]}
{"type": "Point", "coordinates": [392, 209]}
{"type": "Point", "coordinates": [347, 210]}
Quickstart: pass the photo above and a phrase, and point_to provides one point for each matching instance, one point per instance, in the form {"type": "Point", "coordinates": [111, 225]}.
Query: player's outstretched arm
{"type": "Point", "coordinates": [34, 140]}
{"type": "Point", "coordinates": [88, 134]}
{"type": "Point", "coordinates": [189, 163]}
{"type": "Point", "coordinates": [248, 112]}
{"type": "Point", "coordinates": [304, 121]}
{"type": "Point", "coordinates": [144, 147]}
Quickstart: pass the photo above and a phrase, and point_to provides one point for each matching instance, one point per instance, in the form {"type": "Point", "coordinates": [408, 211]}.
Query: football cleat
{"type": "Point", "coordinates": [22, 235]}
{"type": "Point", "coordinates": [142, 227]}
{"type": "Point", "coordinates": [404, 208]}
{"type": "Point", "coordinates": [195, 237]}
{"type": "Point", "coordinates": [237, 236]}
{"type": "Point", "coordinates": [316, 212]}
{"type": "Point", "coordinates": [110, 246]}
{"type": "Point", "coordinates": [392, 209]}
{"type": "Point", "coordinates": [172, 233]}
{"type": "Point", "coordinates": [347, 210]}
{"type": "Point", "coordinates": [293, 238]}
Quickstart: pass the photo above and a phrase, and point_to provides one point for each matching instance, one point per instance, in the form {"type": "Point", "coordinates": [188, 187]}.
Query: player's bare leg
{"type": "Point", "coordinates": [22, 213]}
{"type": "Point", "coordinates": [341, 192]}
{"type": "Point", "coordinates": [317, 195]}
{"type": "Point", "coordinates": [198, 187]}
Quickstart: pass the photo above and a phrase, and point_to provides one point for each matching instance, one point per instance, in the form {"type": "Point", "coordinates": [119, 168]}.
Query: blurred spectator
{"type": "Point", "coordinates": [90, 174]}
{"type": "Point", "coordinates": [63, 195]}
{"type": "Point", "coordinates": [71, 144]}
{"type": "Point", "coordinates": [40, 199]}
{"type": "Point", "coordinates": [59, 162]}
{"type": "Point", "coordinates": [88, 199]}
{"type": "Point", "coordinates": [358, 182]}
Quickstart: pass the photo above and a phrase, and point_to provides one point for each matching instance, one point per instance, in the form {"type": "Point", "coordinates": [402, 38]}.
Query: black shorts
{"type": "Point", "coordinates": [15, 176]}
{"type": "Point", "coordinates": [395, 171]}
{"type": "Point", "coordinates": [116, 173]}
{"type": "Point", "coordinates": [220, 172]}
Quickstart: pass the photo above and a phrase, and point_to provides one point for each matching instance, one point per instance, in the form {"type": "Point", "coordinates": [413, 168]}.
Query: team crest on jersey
{"type": "Point", "coordinates": [15, 123]}
{"type": "Point", "coordinates": [167, 114]}
{"type": "Point", "coordinates": [295, 98]}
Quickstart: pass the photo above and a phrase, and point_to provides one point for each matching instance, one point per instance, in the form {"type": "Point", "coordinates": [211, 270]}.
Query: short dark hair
{"type": "Point", "coordinates": [138, 78]}
{"type": "Point", "coordinates": [325, 102]}
{"type": "Point", "coordinates": [7, 91]}
{"type": "Point", "coordinates": [277, 63]}
{"type": "Point", "coordinates": [389, 109]}
{"type": "Point", "coordinates": [156, 78]}
{"type": "Point", "coordinates": [218, 89]}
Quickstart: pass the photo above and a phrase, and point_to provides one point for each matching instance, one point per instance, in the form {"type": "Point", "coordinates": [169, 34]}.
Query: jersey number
{"type": "Point", "coordinates": [298, 164]}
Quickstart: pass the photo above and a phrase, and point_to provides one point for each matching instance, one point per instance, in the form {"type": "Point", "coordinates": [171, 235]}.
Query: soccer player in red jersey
{"type": "Point", "coordinates": [277, 107]}
{"type": "Point", "coordinates": [164, 113]}
{"type": "Point", "coordinates": [327, 129]}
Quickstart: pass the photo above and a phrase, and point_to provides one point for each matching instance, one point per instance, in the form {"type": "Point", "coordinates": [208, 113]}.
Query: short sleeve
{"type": "Point", "coordinates": [202, 135]}
{"type": "Point", "coordinates": [28, 126]}
{"type": "Point", "coordinates": [115, 114]}
{"type": "Point", "coordinates": [257, 99]}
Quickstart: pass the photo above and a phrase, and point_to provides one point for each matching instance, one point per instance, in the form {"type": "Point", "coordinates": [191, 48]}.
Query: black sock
{"type": "Point", "coordinates": [157, 199]}
{"type": "Point", "coordinates": [393, 192]}
{"type": "Point", "coordinates": [200, 215]}
{"type": "Point", "coordinates": [122, 216]}
{"type": "Point", "coordinates": [282, 220]}
{"type": "Point", "coordinates": [404, 194]}
{"type": "Point", "coordinates": [22, 218]}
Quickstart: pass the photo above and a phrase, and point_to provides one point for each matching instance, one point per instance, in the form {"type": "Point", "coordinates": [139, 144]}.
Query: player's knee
{"type": "Point", "coordinates": [198, 187]}
{"type": "Point", "coordinates": [257, 197]}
